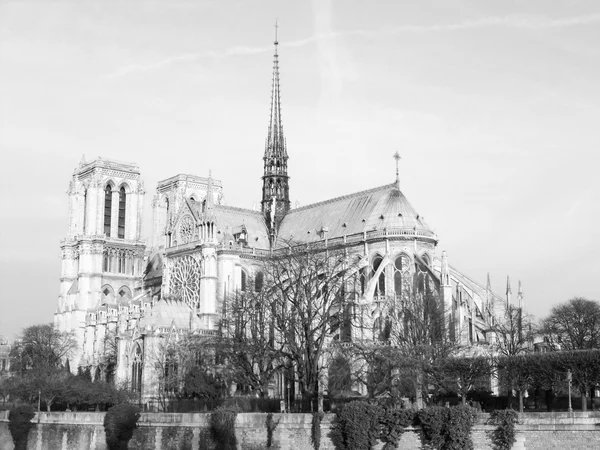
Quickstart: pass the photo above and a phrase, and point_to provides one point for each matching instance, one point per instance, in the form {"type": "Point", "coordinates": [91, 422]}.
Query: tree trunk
{"type": "Point", "coordinates": [583, 400]}
{"type": "Point", "coordinates": [549, 400]}
{"type": "Point", "coordinates": [520, 400]}
{"type": "Point", "coordinates": [463, 399]}
{"type": "Point", "coordinates": [419, 390]}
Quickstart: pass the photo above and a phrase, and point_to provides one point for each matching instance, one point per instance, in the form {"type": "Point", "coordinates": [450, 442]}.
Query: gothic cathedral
{"type": "Point", "coordinates": [119, 294]}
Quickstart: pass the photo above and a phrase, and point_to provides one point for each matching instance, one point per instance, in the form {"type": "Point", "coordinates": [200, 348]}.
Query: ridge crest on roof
{"type": "Point", "coordinates": [344, 197]}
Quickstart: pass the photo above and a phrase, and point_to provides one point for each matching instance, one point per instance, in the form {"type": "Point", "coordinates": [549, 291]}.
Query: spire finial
{"type": "Point", "coordinates": [276, 28]}
{"type": "Point", "coordinates": [397, 157]}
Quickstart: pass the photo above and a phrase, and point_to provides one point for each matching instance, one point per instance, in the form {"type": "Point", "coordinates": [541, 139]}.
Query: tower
{"type": "Point", "coordinates": [275, 201]}
{"type": "Point", "coordinates": [102, 255]}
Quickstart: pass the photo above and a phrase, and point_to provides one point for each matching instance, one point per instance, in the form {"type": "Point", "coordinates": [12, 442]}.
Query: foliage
{"type": "Point", "coordinates": [199, 383]}
{"type": "Point", "coordinates": [448, 428]}
{"type": "Point", "coordinates": [433, 422]}
{"type": "Point", "coordinates": [119, 423]}
{"type": "Point", "coordinates": [19, 425]}
{"type": "Point", "coordinates": [393, 421]}
{"type": "Point", "coordinates": [574, 325]}
{"type": "Point", "coordinates": [504, 436]}
{"type": "Point", "coordinates": [37, 359]}
{"type": "Point", "coordinates": [222, 426]}
{"type": "Point", "coordinates": [461, 419]}
{"type": "Point", "coordinates": [315, 430]}
{"type": "Point", "coordinates": [356, 426]}
{"type": "Point", "coordinates": [460, 374]}
{"type": "Point", "coordinates": [271, 425]}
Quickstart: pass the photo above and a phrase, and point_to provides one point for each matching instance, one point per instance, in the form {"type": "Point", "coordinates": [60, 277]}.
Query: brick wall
{"type": "Point", "coordinates": [70, 431]}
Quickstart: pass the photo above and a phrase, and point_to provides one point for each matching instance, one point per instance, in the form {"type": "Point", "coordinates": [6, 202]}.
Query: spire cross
{"type": "Point", "coordinates": [397, 158]}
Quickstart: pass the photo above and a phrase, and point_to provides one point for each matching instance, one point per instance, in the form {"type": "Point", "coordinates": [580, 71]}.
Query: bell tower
{"type": "Point", "coordinates": [275, 201]}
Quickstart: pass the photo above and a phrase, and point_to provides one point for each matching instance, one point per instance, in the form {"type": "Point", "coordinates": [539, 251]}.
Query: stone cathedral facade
{"type": "Point", "coordinates": [114, 283]}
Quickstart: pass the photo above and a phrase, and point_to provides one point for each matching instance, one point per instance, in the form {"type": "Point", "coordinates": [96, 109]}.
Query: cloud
{"type": "Point", "coordinates": [525, 22]}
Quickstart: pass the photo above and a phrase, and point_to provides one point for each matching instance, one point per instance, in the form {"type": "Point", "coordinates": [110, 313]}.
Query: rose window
{"type": "Point", "coordinates": [186, 280]}
{"type": "Point", "coordinates": [186, 229]}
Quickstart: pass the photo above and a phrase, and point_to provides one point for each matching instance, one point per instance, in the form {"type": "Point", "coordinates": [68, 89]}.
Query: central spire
{"type": "Point", "coordinates": [275, 201]}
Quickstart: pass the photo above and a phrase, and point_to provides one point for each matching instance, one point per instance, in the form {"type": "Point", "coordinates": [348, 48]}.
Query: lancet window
{"type": "Point", "coordinates": [122, 206]}
{"type": "Point", "coordinates": [107, 209]}
{"type": "Point", "coordinates": [258, 282]}
{"type": "Point", "coordinates": [136, 370]}
{"type": "Point", "coordinates": [380, 286]}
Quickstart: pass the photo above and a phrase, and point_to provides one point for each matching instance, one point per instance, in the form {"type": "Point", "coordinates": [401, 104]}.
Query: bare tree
{"type": "Point", "coordinates": [513, 332]}
{"type": "Point", "coordinates": [248, 345]}
{"type": "Point", "coordinates": [574, 325]}
{"type": "Point", "coordinates": [307, 290]}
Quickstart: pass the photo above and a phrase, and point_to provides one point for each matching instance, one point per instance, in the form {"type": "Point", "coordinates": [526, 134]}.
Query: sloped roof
{"type": "Point", "coordinates": [384, 207]}
{"type": "Point", "coordinates": [229, 219]}
{"type": "Point", "coordinates": [168, 313]}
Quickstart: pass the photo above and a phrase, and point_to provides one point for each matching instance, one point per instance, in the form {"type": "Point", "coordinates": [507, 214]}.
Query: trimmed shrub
{"type": "Point", "coordinates": [356, 426]}
{"type": "Point", "coordinates": [222, 427]}
{"type": "Point", "coordinates": [448, 428]}
{"type": "Point", "coordinates": [19, 424]}
{"type": "Point", "coordinates": [119, 423]}
{"type": "Point", "coordinates": [461, 419]}
{"type": "Point", "coordinates": [393, 421]}
{"type": "Point", "coordinates": [433, 424]}
{"type": "Point", "coordinates": [505, 435]}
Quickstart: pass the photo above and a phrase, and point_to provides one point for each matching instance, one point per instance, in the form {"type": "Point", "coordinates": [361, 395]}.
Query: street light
{"type": "Point", "coordinates": [569, 379]}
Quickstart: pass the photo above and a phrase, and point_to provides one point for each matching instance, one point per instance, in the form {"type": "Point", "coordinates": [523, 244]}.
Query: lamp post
{"type": "Point", "coordinates": [569, 379]}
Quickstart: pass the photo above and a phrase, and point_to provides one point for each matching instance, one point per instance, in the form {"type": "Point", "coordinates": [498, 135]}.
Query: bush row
{"type": "Point", "coordinates": [360, 425]}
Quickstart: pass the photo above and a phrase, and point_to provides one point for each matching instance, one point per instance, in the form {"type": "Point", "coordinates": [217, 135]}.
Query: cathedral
{"type": "Point", "coordinates": [114, 283]}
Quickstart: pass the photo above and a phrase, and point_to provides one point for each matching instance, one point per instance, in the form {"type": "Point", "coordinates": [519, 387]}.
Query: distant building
{"type": "Point", "coordinates": [4, 355]}
{"type": "Point", "coordinates": [114, 283]}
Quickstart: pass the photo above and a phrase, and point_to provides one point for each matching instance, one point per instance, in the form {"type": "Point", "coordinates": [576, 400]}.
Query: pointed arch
{"type": "Point", "coordinates": [125, 185]}
{"type": "Point", "coordinates": [108, 294]}
{"type": "Point", "coordinates": [380, 286]}
{"type": "Point", "coordinates": [124, 292]}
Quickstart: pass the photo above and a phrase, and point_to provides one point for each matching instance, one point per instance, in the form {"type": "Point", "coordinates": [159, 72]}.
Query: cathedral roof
{"type": "Point", "coordinates": [169, 313]}
{"type": "Point", "coordinates": [380, 208]}
{"type": "Point", "coordinates": [230, 219]}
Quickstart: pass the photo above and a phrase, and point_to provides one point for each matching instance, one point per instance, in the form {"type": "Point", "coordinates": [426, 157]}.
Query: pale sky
{"type": "Point", "coordinates": [493, 105]}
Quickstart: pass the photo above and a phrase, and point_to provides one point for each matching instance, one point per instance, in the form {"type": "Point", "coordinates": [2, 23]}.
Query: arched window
{"type": "Point", "coordinates": [398, 276]}
{"type": "Point", "coordinates": [107, 209]}
{"type": "Point", "coordinates": [259, 281]}
{"type": "Point", "coordinates": [136, 370]}
{"type": "Point", "coordinates": [380, 287]}
{"type": "Point", "coordinates": [122, 195]}
{"type": "Point", "coordinates": [363, 280]}
{"type": "Point", "coordinates": [244, 283]}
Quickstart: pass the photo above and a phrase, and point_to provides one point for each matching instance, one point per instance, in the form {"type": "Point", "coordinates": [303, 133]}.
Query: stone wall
{"type": "Point", "coordinates": [84, 430]}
